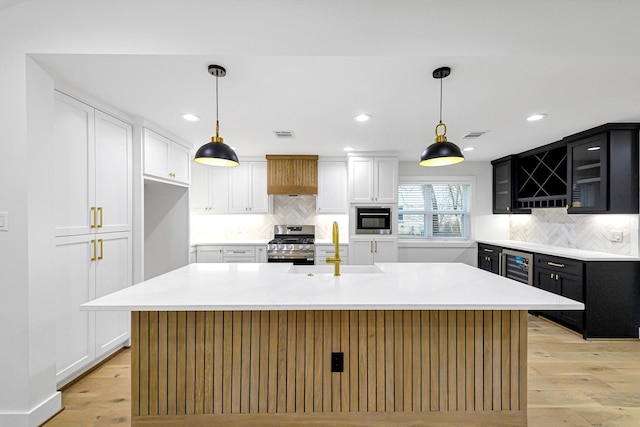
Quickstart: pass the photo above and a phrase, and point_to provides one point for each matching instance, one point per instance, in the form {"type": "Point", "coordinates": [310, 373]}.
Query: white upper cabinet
{"type": "Point", "coordinates": [113, 173]}
{"type": "Point", "coordinates": [248, 188]}
{"type": "Point", "coordinates": [165, 159]}
{"type": "Point", "coordinates": [209, 189]}
{"type": "Point", "coordinates": [93, 170]}
{"type": "Point", "coordinates": [332, 188]}
{"type": "Point", "coordinates": [373, 180]}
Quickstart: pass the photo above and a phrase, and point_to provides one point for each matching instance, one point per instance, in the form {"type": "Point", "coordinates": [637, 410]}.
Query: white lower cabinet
{"type": "Point", "coordinates": [239, 254]}
{"type": "Point", "coordinates": [231, 253]}
{"type": "Point", "coordinates": [261, 253]}
{"type": "Point", "coordinates": [324, 251]}
{"type": "Point", "coordinates": [367, 250]}
{"type": "Point", "coordinates": [88, 267]}
{"type": "Point", "coordinates": [209, 253]}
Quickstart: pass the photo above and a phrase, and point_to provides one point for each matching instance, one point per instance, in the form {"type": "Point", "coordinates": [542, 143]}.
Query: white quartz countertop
{"type": "Point", "coordinates": [245, 242]}
{"type": "Point", "coordinates": [250, 242]}
{"type": "Point", "coordinates": [579, 254]}
{"type": "Point", "coordinates": [397, 286]}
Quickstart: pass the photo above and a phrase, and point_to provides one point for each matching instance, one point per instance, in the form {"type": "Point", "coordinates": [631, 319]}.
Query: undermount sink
{"type": "Point", "coordinates": [328, 269]}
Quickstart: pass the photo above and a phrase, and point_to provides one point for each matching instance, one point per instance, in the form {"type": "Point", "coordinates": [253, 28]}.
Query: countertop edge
{"type": "Point", "coordinates": [578, 254]}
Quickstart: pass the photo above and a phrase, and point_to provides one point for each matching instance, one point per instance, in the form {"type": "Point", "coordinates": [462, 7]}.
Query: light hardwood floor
{"type": "Point", "coordinates": [572, 382]}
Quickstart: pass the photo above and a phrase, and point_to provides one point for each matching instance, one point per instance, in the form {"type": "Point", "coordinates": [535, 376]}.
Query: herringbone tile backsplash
{"type": "Point", "coordinates": [590, 232]}
{"type": "Point", "coordinates": [298, 210]}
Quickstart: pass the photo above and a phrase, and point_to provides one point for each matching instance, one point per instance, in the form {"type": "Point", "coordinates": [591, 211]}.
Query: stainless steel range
{"type": "Point", "coordinates": [292, 243]}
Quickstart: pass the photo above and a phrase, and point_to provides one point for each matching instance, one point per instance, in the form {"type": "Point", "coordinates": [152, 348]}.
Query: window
{"type": "Point", "coordinates": [436, 210]}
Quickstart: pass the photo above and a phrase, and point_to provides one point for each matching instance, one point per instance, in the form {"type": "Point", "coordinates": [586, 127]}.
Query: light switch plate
{"type": "Point", "coordinates": [4, 221]}
{"type": "Point", "coordinates": [616, 236]}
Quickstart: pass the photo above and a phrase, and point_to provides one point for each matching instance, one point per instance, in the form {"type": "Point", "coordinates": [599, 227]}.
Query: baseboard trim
{"type": "Point", "coordinates": [36, 416]}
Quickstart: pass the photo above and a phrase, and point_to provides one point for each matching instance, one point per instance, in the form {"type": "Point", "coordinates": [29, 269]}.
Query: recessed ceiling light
{"type": "Point", "coordinates": [362, 117]}
{"type": "Point", "coordinates": [348, 148]}
{"type": "Point", "coordinates": [535, 117]}
{"type": "Point", "coordinates": [469, 149]}
{"type": "Point", "coordinates": [190, 117]}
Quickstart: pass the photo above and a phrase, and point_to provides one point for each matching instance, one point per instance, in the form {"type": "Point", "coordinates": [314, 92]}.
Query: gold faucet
{"type": "Point", "coordinates": [336, 258]}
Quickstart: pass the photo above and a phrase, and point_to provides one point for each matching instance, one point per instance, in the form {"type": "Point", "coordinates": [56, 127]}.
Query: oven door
{"type": "Point", "coordinates": [373, 220]}
{"type": "Point", "coordinates": [296, 260]}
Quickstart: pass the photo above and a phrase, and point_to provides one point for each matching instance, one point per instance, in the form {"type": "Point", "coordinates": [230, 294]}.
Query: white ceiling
{"type": "Point", "coordinates": [316, 95]}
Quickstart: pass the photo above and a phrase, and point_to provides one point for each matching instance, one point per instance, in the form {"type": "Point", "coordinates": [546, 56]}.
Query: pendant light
{"type": "Point", "coordinates": [216, 152]}
{"type": "Point", "coordinates": [441, 152]}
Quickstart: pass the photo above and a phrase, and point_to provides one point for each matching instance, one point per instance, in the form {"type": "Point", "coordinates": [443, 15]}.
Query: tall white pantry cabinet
{"type": "Point", "coordinates": [93, 216]}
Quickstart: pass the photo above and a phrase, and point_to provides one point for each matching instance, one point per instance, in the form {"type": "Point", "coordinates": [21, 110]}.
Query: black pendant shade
{"type": "Point", "coordinates": [216, 152]}
{"type": "Point", "coordinates": [441, 152]}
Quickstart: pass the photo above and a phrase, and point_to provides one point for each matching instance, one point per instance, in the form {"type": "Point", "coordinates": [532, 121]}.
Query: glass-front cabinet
{"type": "Point", "coordinates": [588, 159]}
{"type": "Point", "coordinates": [502, 196]}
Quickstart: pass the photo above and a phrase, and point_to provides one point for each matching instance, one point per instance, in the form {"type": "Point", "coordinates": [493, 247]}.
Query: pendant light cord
{"type": "Point", "coordinates": [217, 122]}
{"type": "Point", "coordinates": [441, 99]}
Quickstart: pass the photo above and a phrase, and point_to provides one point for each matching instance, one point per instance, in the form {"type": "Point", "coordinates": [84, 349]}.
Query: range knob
{"type": "Point", "coordinates": [280, 246]}
{"type": "Point", "coordinates": [305, 247]}
{"type": "Point", "coordinates": [290, 247]}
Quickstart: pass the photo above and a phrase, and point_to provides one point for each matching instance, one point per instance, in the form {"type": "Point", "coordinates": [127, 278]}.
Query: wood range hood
{"type": "Point", "coordinates": [292, 174]}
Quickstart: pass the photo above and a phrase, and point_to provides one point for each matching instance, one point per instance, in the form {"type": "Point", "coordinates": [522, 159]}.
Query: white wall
{"type": "Point", "coordinates": [484, 225]}
{"type": "Point", "coordinates": [166, 228]}
{"type": "Point", "coordinates": [27, 332]}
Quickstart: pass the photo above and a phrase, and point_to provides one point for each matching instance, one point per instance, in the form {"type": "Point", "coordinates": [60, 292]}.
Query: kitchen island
{"type": "Point", "coordinates": [276, 344]}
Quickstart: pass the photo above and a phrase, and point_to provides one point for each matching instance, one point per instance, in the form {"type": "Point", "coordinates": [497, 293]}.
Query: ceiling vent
{"type": "Point", "coordinates": [474, 135]}
{"type": "Point", "coordinates": [284, 134]}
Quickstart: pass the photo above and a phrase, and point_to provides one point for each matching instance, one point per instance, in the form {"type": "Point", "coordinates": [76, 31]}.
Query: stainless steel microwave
{"type": "Point", "coordinates": [373, 220]}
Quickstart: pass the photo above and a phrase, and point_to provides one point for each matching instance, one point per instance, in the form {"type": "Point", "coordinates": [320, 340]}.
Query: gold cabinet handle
{"type": "Point", "coordinates": [371, 246]}
{"type": "Point", "coordinates": [557, 277]}
{"type": "Point", "coordinates": [508, 209]}
{"type": "Point", "coordinates": [552, 275]}
{"type": "Point", "coordinates": [95, 219]}
{"type": "Point", "coordinates": [101, 249]}
{"type": "Point", "coordinates": [376, 245]}
{"type": "Point", "coordinates": [553, 264]}
{"type": "Point", "coordinates": [100, 211]}
{"type": "Point", "coordinates": [93, 258]}
{"type": "Point", "coordinates": [238, 252]}
{"type": "Point", "coordinates": [488, 250]}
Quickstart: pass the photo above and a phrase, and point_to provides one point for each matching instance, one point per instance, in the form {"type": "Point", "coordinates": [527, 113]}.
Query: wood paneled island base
{"type": "Point", "coordinates": [401, 367]}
